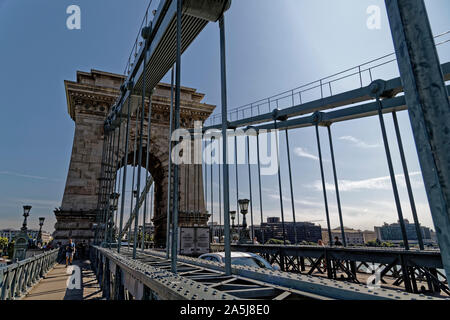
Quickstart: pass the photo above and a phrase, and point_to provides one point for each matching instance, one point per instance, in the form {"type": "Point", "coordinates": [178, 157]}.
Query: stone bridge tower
{"type": "Point", "coordinates": [89, 100]}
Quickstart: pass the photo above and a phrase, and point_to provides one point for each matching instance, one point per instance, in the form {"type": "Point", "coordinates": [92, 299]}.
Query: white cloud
{"type": "Point", "coordinates": [303, 153]}
{"type": "Point", "coordinates": [379, 183]}
{"type": "Point", "coordinates": [21, 175]}
{"type": "Point", "coordinates": [358, 142]}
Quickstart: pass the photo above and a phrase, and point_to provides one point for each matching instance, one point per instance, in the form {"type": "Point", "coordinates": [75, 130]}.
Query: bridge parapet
{"type": "Point", "coordinates": [18, 278]}
{"type": "Point", "coordinates": [117, 273]}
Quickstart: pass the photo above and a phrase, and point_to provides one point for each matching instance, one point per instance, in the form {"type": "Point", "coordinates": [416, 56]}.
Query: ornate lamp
{"type": "Point", "coordinates": [26, 214]}
{"type": "Point", "coordinates": [244, 234]}
{"type": "Point", "coordinates": [41, 223]}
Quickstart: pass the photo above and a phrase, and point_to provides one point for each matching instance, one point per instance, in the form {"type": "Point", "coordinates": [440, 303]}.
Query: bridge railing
{"type": "Point", "coordinates": [18, 278]}
{"type": "Point", "coordinates": [355, 77]}
{"type": "Point", "coordinates": [409, 268]}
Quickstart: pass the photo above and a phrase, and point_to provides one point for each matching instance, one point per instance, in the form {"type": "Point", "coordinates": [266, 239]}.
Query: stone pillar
{"type": "Point", "coordinates": [89, 100]}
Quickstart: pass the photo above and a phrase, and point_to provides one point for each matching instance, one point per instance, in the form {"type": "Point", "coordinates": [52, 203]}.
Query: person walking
{"type": "Point", "coordinates": [70, 251]}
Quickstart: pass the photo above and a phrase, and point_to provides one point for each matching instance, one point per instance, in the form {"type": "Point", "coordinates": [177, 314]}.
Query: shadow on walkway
{"type": "Point", "coordinates": [77, 282]}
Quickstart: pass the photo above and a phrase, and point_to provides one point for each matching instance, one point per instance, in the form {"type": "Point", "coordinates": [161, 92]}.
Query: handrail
{"type": "Point", "coordinates": [297, 94]}
{"type": "Point", "coordinates": [18, 278]}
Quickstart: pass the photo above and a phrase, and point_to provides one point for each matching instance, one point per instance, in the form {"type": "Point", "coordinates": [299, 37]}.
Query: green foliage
{"type": "Point", "coordinates": [3, 243]}
{"type": "Point", "coordinates": [277, 241]}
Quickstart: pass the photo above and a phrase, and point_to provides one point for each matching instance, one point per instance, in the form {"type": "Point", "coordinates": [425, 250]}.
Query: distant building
{"type": "Point", "coordinates": [392, 232]}
{"type": "Point", "coordinates": [352, 236]}
{"type": "Point", "coordinates": [273, 229]}
{"type": "Point", "coordinates": [10, 234]}
{"type": "Point", "coordinates": [369, 236]}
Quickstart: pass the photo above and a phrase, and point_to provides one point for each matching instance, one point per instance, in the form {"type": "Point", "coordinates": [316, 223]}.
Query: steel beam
{"type": "Point", "coordinates": [429, 108]}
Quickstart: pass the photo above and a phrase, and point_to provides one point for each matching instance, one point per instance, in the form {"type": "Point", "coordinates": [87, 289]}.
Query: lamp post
{"type": "Point", "coordinates": [26, 214]}
{"type": "Point", "coordinates": [21, 239]}
{"type": "Point", "coordinates": [232, 216]}
{"type": "Point", "coordinates": [41, 223]}
{"type": "Point", "coordinates": [244, 237]}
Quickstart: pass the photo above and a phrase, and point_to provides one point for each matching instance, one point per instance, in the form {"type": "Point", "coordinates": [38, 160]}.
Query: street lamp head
{"type": "Point", "coordinates": [233, 215]}
{"type": "Point", "coordinates": [243, 205]}
{"type": "Point", "coordinates": [41, 221]}
{"type": "Point", "coordinates": [114, 200]}
{"type": "Point", "coordinates": [26, 211]}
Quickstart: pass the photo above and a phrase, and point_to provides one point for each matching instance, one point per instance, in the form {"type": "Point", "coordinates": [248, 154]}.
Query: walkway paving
{"type": "Point", "coordinates": [55, 285]}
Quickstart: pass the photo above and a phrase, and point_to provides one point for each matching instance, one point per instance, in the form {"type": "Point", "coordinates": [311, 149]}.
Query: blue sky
{"type": "Point", "coordinates": [272, 46]}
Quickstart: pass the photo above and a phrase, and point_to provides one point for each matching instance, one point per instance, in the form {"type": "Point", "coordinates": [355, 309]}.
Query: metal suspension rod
{"type": "Point", "coordinates": [392, 174]}
{"type": "Point", "coordinates": [322, 174]}
{"type": "Point", "coordinates": [226, 194]}
{"type": "Point", "coordinates": [114, 187]}
{"type": "Point", "coordinates": [141, 136]}
{"type": "Point", "coordinates": [250, 188]}
{"type": "Point", "coordinates": [279, 182]}
{"type": "Point", "coordinates": [290, 185]}
{"type": "Point", "coordinates": [205, 178]}
{"type": "Point", "coordinates": [212, 191]}
{"type": "Point", "coordinates": [134, 174]}
{"type": "Point", "coordinates": [108, 178]}
{"type": "Point", "coordinates": [169, 169]}
{"type": "Point", "coordinates": [177, 125]}
{"type": "Point", "coordinates": [220, 190]}
{"type": "Point", "coordinates": [336, 186]}
{"type": "Point", "coordinates": [101, 188]}
{"type": "Point", "coordinates": [109, 189]}
{"type": "Point", "coordinates": [147, 151]}
{"type": "Point", "coordinates": [408, 181]}
{"type": "Point", "coordinates": [259, 183]}
{"type": "Point", "coordinates": [124, 178]}
{"type": "Point", "coordinates": [237, 178]}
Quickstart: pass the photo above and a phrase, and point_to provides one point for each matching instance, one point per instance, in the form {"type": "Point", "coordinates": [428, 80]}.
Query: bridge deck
{"type": "Point", "coordinates": [54, 285]}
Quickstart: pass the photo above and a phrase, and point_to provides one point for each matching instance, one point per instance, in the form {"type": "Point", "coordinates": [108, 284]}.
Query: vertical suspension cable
{"type": "Point", "coordinates": [169, 180]}
{"type": "Point", "coordinates": [226, 202]}
{"type": "Point", "coordinates": [237, 178]}
{"type": "Point", "coordinates": [260, 190]}
{"type": "Point", "coordinates": [109, 190]}
{"type": "Point", "coordinates": [220, 187]}
{"type": "Point", "coordinates": [250, 188]}
{"type": "Point", "coordinates": [322, 174]}
{"type": "Point", "coordinates": [336, 186]}
{"type": "Point", "coordinates": [392, 174]}
{"type": "Point", "coordinates": [99, 214]}
{"type": "Point", "coordinates": [134, 174]}
{"type": "Point", "coordinates": [212, 189]}
{"type": "Point", "coordinates": [147, 155]}
{"type": "Point", "coordinates": [124, 172]}
{"type": "Point", "coordinates": [408, 182]}
{"type": "Point", "coordinates": [279, 181]}
{"type": "Point", "coordinates": [108, 178]}
{"type": "Point", "coordinates": [177, 124]}
{"type": "Point", "coordinates": [290, 185]}
{"type": "Point", "coordinates": [114, 188]}
{"type": "Point", "coordinates": [141, 133]}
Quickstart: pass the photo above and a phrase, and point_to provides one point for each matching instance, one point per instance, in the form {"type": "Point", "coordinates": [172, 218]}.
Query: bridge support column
{"type": "Point", "coordinates": [429, 108]}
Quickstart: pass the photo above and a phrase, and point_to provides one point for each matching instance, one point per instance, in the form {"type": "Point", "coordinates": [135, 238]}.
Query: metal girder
{"type": "Point", "coordinates": [429, 108]}
{"type": "Point", "coordinates": [160, 45]}
{"type": "Point", "coordinates": [309, 284]}
{"type": "Point", "coordinates": [390, 104]}
{"type": "Point", "coordinates": [142, 197]}
{"type": "Point", "coordinates": [164, 284]}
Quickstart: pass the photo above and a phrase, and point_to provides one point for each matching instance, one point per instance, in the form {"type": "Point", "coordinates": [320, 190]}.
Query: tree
{"type": "Point", "coordinates": [3, 243]}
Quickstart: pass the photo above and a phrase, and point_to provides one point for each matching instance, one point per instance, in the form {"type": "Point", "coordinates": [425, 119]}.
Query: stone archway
{"type": "Point", "coordinates": [89, 100]}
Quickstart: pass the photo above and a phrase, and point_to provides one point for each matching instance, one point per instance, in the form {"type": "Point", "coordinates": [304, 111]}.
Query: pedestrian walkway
{"type": "Point", "coordinates": [59, 285]}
